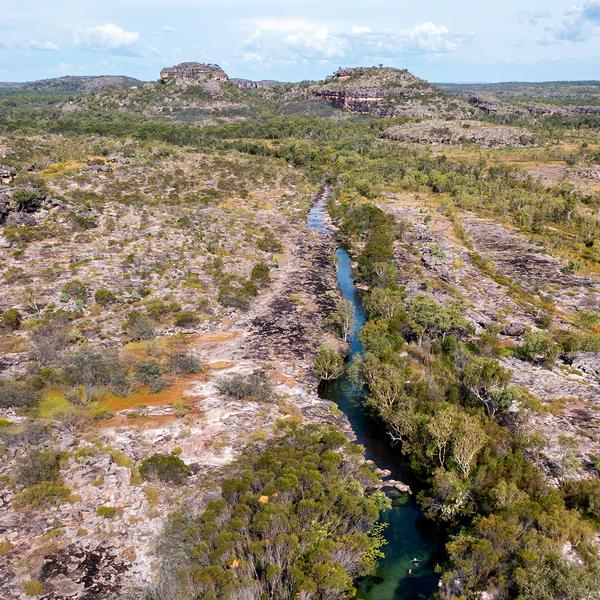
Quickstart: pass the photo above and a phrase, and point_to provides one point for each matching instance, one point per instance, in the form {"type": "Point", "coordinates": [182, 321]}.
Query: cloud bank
{"type": "Point", "coordinates": [281, 40]}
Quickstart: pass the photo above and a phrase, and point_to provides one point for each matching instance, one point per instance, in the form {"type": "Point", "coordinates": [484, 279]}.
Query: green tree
{"type": "Point", "coordinates": [386, 303]}
{"type": "Point", "coordinates": [469, 437]}
{"type": "Point", "coordinates": [328, 364]}
{"type": "Point", "coordinates": [343, 319]}
{"type": "Point", "coordinates": [487, 380]}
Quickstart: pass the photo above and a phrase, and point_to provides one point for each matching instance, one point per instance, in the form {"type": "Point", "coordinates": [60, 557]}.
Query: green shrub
{"type": "Point", "coordinates": [39, 466]}
{"type": "Point", "coordinates": [150, 373]}
{"type": "Point", "coordinates": [17, 394]}
{"type": "Point", "coordinates": [584, 495]}
{"type": "Point", "coordinates": [184, 363]}
{"type": "Point", "coordinates": [105, 297]}
{"type": "Point", "coordinates": [268, 243]}
{"type": "Point", "coordinates": [27, 199]}
{"type": "Point", "coordinates": [76, 290]}
{"type": "Point", "coordinates": [166, 467]}
{"type": "Point", "coordinates": [95, 368]}
{"type": "Point", "coordinates": [139, 327]}
{"type": "Point", "coordinates": [5, 547]}
{"type": "Point", "coordinates": [539, 346]}
{"type": "Point", "coordinates": [42, 495]}
{"type": "Point", "coordinates": [570, 267]}
{"type": "Point", "coordinates": [157, 309]}
{"type": "Point", "coordinates": [255, 386]}
{"type": "Point", "coordinates": [11, 318]}
{"type": "Point", "coordinates": [260, 274]}
{"type": "Point", "coordinates": [237, 296]}
{"type": "Point", "coordinates": [107, 512]}
{"type": "Point", "coordinates": [186, 318]}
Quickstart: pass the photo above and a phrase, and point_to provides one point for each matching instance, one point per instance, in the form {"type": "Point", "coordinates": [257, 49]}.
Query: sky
{"type": "Point", "coordinates": [439, 40]}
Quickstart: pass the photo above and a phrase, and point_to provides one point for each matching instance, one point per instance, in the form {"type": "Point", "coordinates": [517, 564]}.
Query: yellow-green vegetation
{"type": "Point", "coordinates": [41, 495]}
{"type": "Point", "coordinates": [5, 547]}
{"type": "Point", "coordinates": [107, 512]}
{"type": "Point", "coordinates": [33, 587]}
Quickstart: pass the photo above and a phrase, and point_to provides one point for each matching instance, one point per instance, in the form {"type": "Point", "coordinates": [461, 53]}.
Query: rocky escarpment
{"type": "Point", "coordinates": [189, 92]}
{"type": "Point", "coordinates": [383, 92]}
{"type": "Point", "coordinates": [192, 73]}
{"type": "Point", "coordinates": [447, 132]}
{"type": "Point", "coordinates": [71, 83]}
{"type": "Point", "coordinates": [493, 105]}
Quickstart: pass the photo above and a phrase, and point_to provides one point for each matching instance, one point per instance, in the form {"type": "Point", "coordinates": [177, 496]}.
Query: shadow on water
{"type": "Point", "coordinates": [409, 535]}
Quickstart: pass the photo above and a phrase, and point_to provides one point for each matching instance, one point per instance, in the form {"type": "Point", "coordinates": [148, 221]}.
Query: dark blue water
{"type": "Point", "coordinates": [408, 533]}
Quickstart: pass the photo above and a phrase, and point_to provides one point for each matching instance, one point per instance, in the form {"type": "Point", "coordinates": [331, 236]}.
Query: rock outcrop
{"type": "Point", "coordinates": [382, 92]}
{"type": "Point", "coordinates": [72, 83]}
{"type": "Point", "coordinates": [193, 73]}
{"type": "Point", "coordinates": [447, 132]}
{"type": "Point", "coordinates": [7, 174]}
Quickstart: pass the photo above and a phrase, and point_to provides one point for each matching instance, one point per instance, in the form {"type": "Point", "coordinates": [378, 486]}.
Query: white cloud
{"type": "Point", "coordinates": [44, 46]}
{"type": "Point", "coordinates": [578, 24]}
{"type": "Point", "coordinates": [358, 29]}
{"type": "Point", "coordinates": [105, 37]}
{"type": "Point", "coordinates": [287, 40]}
{"type": "Point", "coordinates": [166, 29]}
{"type": "Point", "coordinates": [35, 45]}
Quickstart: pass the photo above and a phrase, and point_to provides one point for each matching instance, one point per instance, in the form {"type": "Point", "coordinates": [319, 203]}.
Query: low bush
{"type": "Point", "coordinates": [255, 386]}
{"type": "Point", "coordinates": [6, 547]}
{"type": "Point", "coordinates": [186, 318]}
{"type": "Point", "coordinates": [41, 495]}
{"type": "Point", "coordinates": [39, 466]}
{"type": "Point", "coordinates": [268, 243]}
{"type": "Point", "coordinates": [260, 274]}
{"type": "Point", "coordinates": [150, 373]}
{"type": "Point", "coordinates": [11, 318]}
{"type": "Point", "coordinates": [105, 297]}
{"type": "Point", "coordinates": [184, 363]}
{"type": "Point", "coordinates": [94, 368]}
{"type": "Point", "coordinates": [139, 327]}
{"type": "Point", "coordinates": [165, 467]}
{"type": "Point", "coordinates": [539, 347]}
{"type": "Point", "coordinates": [584, 495]}
{"type": "Point", "coordinates": [27, 199]}
{"type": "Point", "coordinates": [82, 395]}
{"type": "Point", "coordinates": [237, 295]}
{"type": "Point", "coordinates": [76, 290]}
{"type": "Point", "coordinates": [107, 512]}
{"type": "Point", "coordinates": [17, 394]}
{"type": "Point", "coordinates": [33, 587]}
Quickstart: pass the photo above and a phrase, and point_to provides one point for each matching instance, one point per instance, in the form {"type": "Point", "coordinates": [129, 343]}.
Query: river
{"type": "Point", "coordinates": [409, 535]}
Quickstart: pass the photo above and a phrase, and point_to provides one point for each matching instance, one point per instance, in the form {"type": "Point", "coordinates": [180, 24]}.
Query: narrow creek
{"type": "Point", "coordinates": [410, 536]}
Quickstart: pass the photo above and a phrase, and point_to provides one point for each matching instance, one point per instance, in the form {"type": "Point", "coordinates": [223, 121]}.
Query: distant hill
{"type": "Point", "coordinates": [73, 83]}
{"type": "Point", "coordinates": [587, 92]}
{"type": "Point", "coordinates": [204, 93]}
{"type": "Point", "coordinates": [385, 92]}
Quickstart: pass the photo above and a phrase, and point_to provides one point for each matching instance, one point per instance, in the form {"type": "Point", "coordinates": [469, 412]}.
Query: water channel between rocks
{"type": "Point", "coordinates": [410, 536]}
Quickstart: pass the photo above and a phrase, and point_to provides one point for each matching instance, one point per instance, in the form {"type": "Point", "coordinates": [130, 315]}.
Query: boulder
{"type": "Point", "coordinates": [7, 174]}
{"type": "Point", "coordinates": [15, 219]}
{"type": "Point", "coordinates": [513, 329]}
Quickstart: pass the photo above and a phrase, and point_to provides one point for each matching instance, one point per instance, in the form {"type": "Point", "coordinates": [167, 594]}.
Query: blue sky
{"type": "Point", "coordinates": [440, 40]}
